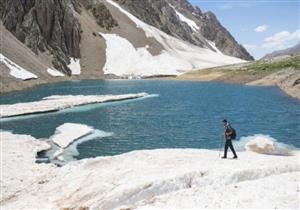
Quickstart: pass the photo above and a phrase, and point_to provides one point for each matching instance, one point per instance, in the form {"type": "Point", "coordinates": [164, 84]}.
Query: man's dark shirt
{"type": "Point", "coordinates": [228, 130]}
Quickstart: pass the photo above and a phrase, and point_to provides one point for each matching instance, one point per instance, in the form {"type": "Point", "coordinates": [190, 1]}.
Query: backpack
{"type": "Point", "coordinates": [233, 135]}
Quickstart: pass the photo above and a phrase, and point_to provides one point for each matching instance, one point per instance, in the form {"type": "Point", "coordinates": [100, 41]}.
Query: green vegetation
{"type": "Point", "coordinates": [274, 65]}
{"type": "Point", "coordinates": [246, 72]}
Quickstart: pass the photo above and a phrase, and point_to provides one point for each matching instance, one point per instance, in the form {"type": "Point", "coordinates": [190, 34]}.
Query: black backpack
{"type": "Point", "coordinates": [233, 135]}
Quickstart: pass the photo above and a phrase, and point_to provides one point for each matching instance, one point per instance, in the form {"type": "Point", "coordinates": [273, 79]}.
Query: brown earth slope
{"type": "Point", "coordinates": [282, 72]}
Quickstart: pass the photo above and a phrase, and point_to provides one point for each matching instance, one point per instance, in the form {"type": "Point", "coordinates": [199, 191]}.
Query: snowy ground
{"type": "Point", "coordinates": [56, 103]}
{"type": "Point", "coordinates": [161, 179]}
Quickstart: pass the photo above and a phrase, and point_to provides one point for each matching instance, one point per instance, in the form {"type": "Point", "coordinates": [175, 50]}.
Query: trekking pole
{"type": "Point", "coordinates": [221, 145]}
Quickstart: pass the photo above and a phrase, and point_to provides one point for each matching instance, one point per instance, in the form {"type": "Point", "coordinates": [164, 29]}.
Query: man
{"type": "Point", "coordinates": [228, 141]}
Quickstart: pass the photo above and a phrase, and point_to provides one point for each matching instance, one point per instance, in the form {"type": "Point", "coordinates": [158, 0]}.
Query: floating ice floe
{"type": "Point", "coordinates": [67, 133]}
{"type": "Point", "coordinates": [56, 103]}
{"type": "Point", "coordinates": [58, 154]}
{"type": "Point", "coordinates": [177, 57]}
{"type": "Point", "coordinates": [65, 140]}
{"type": "Point", "coordinates": [55, 73]}
{"type": "Point", "coordinates": [163, 179]}
{"type": "Point", "coordinates": [75, 66]}
{"type": "Point", "coordinates": [16, 70]}
{"type": "Point", "coordinates": [69, 153]}
{"type": "Point", "coordinates": [70, 134]}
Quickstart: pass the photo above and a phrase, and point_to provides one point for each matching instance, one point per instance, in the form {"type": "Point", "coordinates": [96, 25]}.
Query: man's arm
{"type": "Point", "coordinates": [228, 132]}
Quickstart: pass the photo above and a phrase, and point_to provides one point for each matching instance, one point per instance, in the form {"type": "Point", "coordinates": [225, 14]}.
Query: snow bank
{"type": "Point", "coordinates": [18, 168]}
{"type": "Point", "coordinates": [57, 103]}
{"type": "Point", "coordinates": [55, 73]}
{"type": "Point", "coordinates": [134, 62]}
{"type": "Point", "coordinates": [177, 57]}
{"type": "Point", "coordinates": [67, 133]}
{"type": "Point", "coordinates": [16, 70]}
{"type": "Point", "coordinates": [188, 21]}
{"type": "Point", "coordinates": [165, 178]}
{"type": "Point", "coordinates": [75, 66]}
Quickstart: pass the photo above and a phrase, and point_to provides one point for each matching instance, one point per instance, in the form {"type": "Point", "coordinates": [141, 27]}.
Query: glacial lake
{"type": "Point", "coordinates": [178, 114]}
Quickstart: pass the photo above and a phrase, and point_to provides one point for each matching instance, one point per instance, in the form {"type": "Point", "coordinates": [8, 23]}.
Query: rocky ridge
{"type": "Point", "coordinates": [285, 52]}
{"type": "Point", "coordinates": [162, 15]}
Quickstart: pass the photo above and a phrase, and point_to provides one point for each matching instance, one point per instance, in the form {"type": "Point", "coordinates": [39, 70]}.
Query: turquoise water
{"type": "Point", "coordinates": [182, 115]}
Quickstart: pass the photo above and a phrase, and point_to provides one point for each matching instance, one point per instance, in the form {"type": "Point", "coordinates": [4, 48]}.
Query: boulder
{"type": "Point", "coordinates": [260, 144]}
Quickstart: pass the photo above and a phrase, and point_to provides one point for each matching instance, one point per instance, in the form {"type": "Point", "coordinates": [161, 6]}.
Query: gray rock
{"type": "Point", "coordinates": [101, 13]}
{"type": "Point", "coordinates": [42, 25]}
{"type": "Point", "coordinates": [212, 30]}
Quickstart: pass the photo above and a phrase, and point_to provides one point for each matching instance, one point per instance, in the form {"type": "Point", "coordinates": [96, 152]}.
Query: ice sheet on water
{"type": "Point", "coordinates": [67, 133]}
{"type": "Point", "coordinates": [67, 137]}
{"type": "Point", "coordinates": [70, 152]}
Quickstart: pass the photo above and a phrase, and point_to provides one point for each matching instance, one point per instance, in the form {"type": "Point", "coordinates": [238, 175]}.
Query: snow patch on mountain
{"type": "Point", "coordinates": [55, 73]}
{"type": "Point", "coordinates": [178, 56]}
{"type": "Point", "coordinates": [16, 70]}
{"type": "Point", "coordinates": [75, 66]}
{"type": "Point", "coordinates": [188, 21]}
{"type": "Point", "coordinates": [134, 62]}
{"type": "Point", "coordinates": [213, 45]}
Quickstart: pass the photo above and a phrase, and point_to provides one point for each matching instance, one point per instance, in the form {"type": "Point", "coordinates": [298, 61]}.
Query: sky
{"type": "Point", "coordinates": [261, 26]}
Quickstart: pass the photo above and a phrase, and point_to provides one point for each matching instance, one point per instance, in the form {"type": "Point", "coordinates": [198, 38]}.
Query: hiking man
{"type": "Point", "coordinates": [228, 139]}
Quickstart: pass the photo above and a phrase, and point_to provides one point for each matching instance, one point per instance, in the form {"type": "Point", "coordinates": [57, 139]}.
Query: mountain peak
{"type": "Point", "coordinates": [285, 52]}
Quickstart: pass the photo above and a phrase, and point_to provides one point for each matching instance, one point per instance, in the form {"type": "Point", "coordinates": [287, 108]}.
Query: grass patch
{"type": "Point", "coordinates": [271, 66]}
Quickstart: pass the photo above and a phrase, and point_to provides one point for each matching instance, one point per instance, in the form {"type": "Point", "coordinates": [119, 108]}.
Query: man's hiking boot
{"type": "Point", "coordinates": [224, 157]}
{"type": "Point", "coordinates": [235, 157]}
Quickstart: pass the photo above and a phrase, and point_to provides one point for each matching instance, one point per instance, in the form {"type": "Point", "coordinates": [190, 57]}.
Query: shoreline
{"type": "Point", "coordinates": [103, 182]}
{"type": "Point", "coordinates": [282, 79]}
{"type": "Point", "coordinates": [218, 78]}
{"type": "Point", "coordinates": [17, 86]}
{"type": "Point", "coordinates": [232, 74]}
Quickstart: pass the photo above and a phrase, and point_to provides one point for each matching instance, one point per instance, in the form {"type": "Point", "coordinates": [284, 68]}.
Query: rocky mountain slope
{"type": "Point", "coordinates": [206, 32]}
{"type": "Point", "coordinates": [60, 39]}
{"type": "Point", "coordinates": [289, 51]}
{"type": "Point", "coordinates": [45, 26]}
